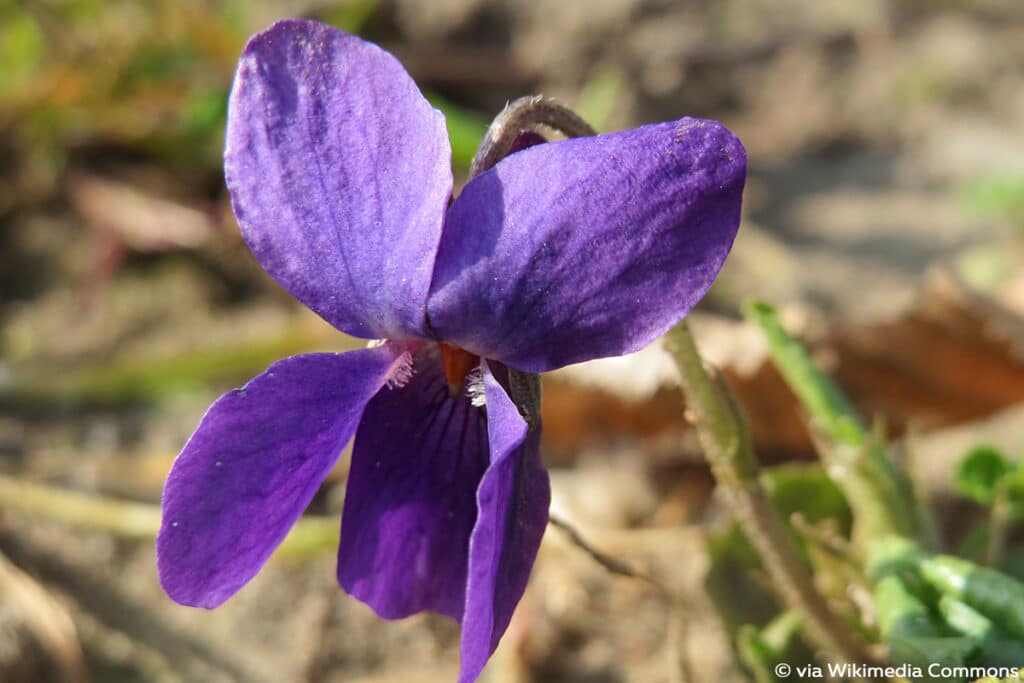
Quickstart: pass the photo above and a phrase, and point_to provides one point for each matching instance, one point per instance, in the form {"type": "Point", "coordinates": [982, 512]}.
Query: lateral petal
{"type": "Point", "coordinates": [254, 463]}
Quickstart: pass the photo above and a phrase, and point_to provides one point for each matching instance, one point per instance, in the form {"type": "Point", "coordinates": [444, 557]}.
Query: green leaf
{"type": "Point", "coordinates": [910, 631]}
{"type": "Point", "coordinates": [980, 473]}
{"type": "Point", "coordinates": [994, 594]}
{"type": "Point", "coordinates": [877, 492]}
{"type": "Point", "coordinates": [819, 395]}
{"type": "Point", "coordinates": [907, 624]}
{"type": "Point", "coordinates": [807, 489]}
{"type": "Point", "coordinates": [963, 618]}
{"type": "Point", "coordinates": [762, 649]}
{"type": "Point", "coordinates": [891, 556]}
{"type": "Point", "coordinates": [737, 599]}
{"type": "Point", "coordinates": [996, 647]}
{"type": "Point", "coordinates": [979, 611]}
{"type": "Point", "coordinates": [1013, 486]}
{"type": "Point", "coordinates": [924, 651]}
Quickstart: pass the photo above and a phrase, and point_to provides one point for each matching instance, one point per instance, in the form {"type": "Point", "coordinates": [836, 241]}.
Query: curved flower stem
{"type": "Point", "coordinates": [525, 113]}
{"type": "Point", "coordinates": [727, 446]}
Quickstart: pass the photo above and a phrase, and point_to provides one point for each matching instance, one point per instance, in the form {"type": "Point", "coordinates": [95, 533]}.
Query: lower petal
{"type": "Point", "coordinates": [410, 504]}
{"type": "Point", "coordinates": [512, 501]}
{"type": "Point", "coordinates": [254, 463]}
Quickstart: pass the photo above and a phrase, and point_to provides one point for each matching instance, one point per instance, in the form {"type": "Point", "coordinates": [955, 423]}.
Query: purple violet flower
{"type": "Point", "coordinates": [339, 173]}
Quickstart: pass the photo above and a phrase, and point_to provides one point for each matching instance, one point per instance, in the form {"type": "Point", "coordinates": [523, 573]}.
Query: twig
{"type": "Point", "coordinates": [612, 564]}
{"type": "Point", "coordinates": [727, 446]}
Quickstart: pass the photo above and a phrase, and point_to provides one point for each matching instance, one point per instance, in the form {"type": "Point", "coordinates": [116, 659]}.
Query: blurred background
{"type": "Point", "coordinates": [883, 214]}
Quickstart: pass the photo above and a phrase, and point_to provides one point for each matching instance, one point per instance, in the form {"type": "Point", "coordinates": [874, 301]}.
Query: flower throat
{"type": "Point", "coordinates": [457, 363]}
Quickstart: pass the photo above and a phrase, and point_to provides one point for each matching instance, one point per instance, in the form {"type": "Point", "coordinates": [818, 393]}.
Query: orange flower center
{"type": "Point", "coordinates": [457, 363]}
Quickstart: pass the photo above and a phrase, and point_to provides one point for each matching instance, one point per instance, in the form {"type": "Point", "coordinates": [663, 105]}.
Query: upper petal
{"type": "Point", "coordinates": [410, 503]}
{"type": "Point", "coordinates": [589, 247]}
{"type": "Point", "coordinates": [512, 513]}
{"type": "Point", "coordinates": [253, 465]}
{"type": "Point", "coordinates": [339, 172]}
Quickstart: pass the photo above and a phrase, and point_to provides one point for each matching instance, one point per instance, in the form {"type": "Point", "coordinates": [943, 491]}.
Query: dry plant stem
{"type": "Point", "coordinates": [524, 114]}
{"type": "Point", "coordinates": [122, 518]}
{"type": "Point", "coordinates": [139, 521]}
{"type": "Point", "coordinates": [613, 565]}
{"type": "Point", "coordinates": [726, 443]}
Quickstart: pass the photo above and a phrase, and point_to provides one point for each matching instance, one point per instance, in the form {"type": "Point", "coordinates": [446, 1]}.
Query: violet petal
{"type": "Point", "coordinates": [254, 463]}
{"type": "Point", "coordinates": [512, 501]}
{"type": "Point", "coordinates": [340, 173]}
{"type": "Point", "coordinates": [589, 247]}
{"type": "Point", "coordinates": [410, 503]}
